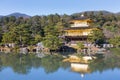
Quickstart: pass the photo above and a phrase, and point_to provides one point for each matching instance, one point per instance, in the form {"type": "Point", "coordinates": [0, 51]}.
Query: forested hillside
{"type": "Point", "coordinates": [31, 30]}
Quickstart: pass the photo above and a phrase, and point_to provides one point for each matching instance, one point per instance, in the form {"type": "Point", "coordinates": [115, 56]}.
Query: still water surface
{"type": "Point", "coordinates": [30, 67]}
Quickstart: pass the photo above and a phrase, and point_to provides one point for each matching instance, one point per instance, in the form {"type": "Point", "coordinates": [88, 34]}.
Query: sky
{"type": "Point", "coordinates": [46, 7]}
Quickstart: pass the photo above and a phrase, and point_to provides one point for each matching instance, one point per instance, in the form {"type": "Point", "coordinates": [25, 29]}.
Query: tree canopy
{"type": "Point", "coordinates": [38, 28]}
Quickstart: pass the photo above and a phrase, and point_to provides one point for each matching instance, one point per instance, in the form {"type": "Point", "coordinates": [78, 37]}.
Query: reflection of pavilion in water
{"type": "Point", "coordinates": [80, 68]}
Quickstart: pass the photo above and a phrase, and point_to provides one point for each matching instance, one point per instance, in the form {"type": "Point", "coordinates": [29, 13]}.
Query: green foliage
{"type": "Point", "coordinates": [80, 45]}
{"type": "Point", "coordinates": [27, 30]}
{"type": "Point", "coordinates": [96, 36]}
{"type": "Point", "coordinates": [19, 35]}
{"type": "Point", "coordinates": [30, 30]}
{"type": "Point", "coordinates": [115, 41]}
{"type": "Point", "coordinates": [8, 37]}
{"type": "Point", "coordinates": [51, 39]}
{"type": "Point", "coordinates": [111, 28]}
{"type": "Point", "coordinates": [52, 42]}
{"type": "Point", "coordinates": [51, 30]}
{"type": "Point", "coordinates": [38, 38]}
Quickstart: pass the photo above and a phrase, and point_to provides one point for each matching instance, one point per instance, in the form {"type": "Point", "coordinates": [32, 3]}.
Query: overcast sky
{"type": "Point", "coordinates": [45, 7]}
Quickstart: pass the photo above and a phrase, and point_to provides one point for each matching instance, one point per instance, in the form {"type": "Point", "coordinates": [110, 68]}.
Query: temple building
{"type": "Point", "coordinates": [79, 30]}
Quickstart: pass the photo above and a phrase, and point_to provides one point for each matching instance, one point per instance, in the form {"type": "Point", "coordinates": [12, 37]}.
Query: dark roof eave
{"type": "Point", "coordinates": [77, 28]}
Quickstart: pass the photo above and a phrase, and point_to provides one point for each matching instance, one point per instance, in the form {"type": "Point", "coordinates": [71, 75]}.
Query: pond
{"type": "Point", "coordinates": [30, 67]}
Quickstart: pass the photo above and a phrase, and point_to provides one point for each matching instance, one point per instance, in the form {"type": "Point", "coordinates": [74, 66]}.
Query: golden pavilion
{"type": "Point", "coordinates": [79, 30]}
